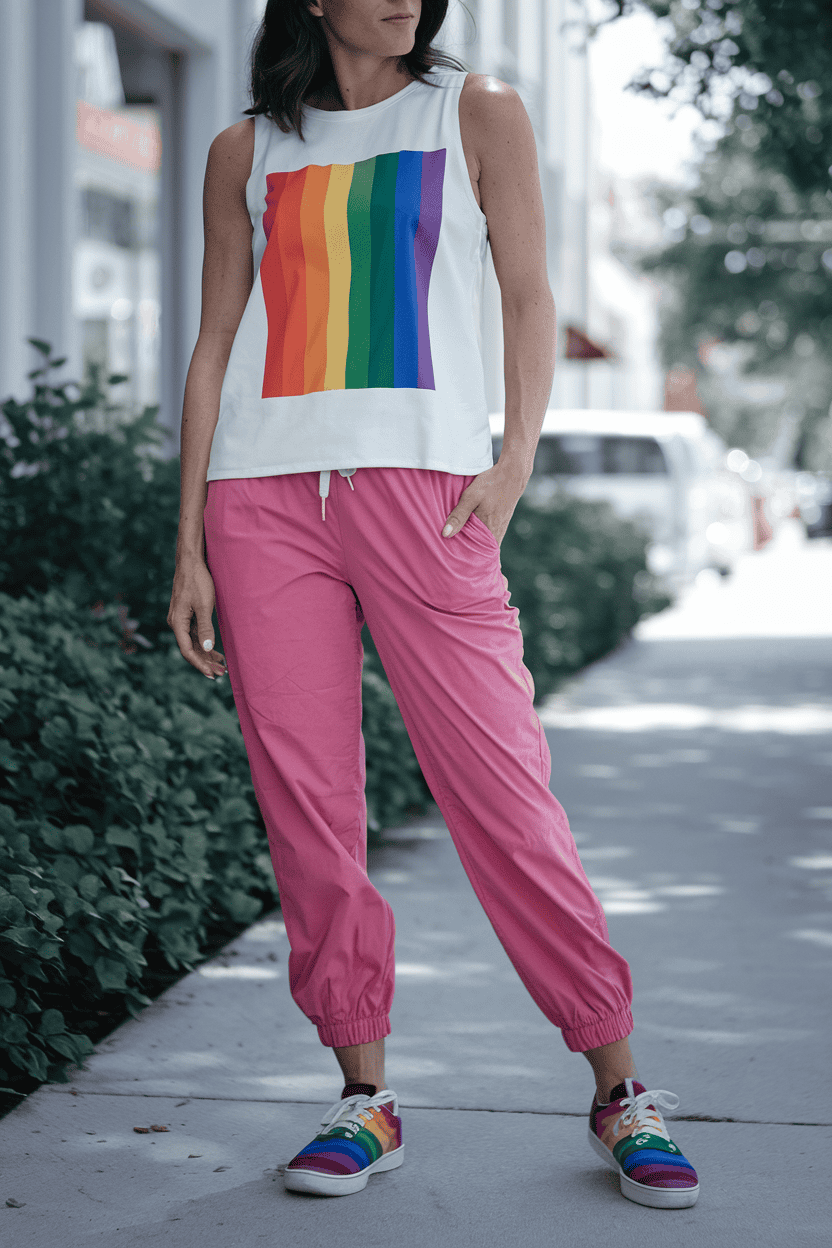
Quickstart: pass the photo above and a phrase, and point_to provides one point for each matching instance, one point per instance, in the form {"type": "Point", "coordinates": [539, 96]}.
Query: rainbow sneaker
{"type": "Point", "coordinates": [629, 1135]}
{"type": "Point", "coordinates": [361, 1135]}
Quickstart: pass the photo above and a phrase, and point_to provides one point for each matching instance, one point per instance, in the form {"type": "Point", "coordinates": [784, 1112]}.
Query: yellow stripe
{"type": "Point", "coordinates": [340, 270]}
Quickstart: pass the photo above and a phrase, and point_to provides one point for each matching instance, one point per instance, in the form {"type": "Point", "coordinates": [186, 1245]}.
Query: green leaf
{"type": "Point", "coordinates": [13, 1029]}
{"type": "Point", "coordinates": [124, 837]}
{"type": "Point", "coordinates": [26, 937]}
{"type": "Point", "coordinates": [82, 946]}
{"type": "Point", "coordinates": [12, 910]}
{"type": "Point", "coordinates": [74, 1047]}
{"type": "Point", "coordinates": [112, 975]}
{"type": "Point", "coordinates": [51, 1023]}
{"type": "Point", "coordinates": [89, 886]}
{"type": "Point", "coordinates": [242, 908]}
{"type": "Point", "coordinates": [30, 1059]}
{"type": "Point", "coordinates": [79, 838]}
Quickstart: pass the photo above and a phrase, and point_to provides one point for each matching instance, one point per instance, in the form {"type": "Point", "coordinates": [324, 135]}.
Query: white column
{"type": "Point", "coordinates": [54, 203]}
{"type": "Point", "coordinates": [16, 323]}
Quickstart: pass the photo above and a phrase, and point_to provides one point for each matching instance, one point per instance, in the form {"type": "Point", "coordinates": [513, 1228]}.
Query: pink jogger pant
{"type": "Point", "coordinates": [293, 590]}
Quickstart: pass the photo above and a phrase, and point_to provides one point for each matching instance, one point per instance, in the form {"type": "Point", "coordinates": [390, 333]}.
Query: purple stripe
{"type": "Point", "coordinates": [424, 247]}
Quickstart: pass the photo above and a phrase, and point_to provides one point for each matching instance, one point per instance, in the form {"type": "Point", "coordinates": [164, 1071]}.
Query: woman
{"type": "Point", "coordinates": [335, 407]}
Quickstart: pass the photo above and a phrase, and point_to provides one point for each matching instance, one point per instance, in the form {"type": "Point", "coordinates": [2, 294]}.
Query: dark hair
{"type": "Point", "coordinates": [290, 58]}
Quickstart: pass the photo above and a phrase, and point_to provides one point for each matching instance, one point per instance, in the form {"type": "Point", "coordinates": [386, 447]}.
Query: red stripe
{"type": "Point", "coordinates": [294, 275]}
{"type": "Point", "coordinates": [274, 289]}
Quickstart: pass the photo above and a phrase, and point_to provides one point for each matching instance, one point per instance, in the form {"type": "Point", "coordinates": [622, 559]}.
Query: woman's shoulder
{"type": "Point", "coordinates": [485, 92]}
{"type": "Point", "coordinates": [489, 108]}
{"type": "Point", "coordinates": [235, 145]}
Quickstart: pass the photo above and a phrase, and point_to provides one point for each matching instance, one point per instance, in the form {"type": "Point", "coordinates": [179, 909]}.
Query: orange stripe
{"type": "Point", "coordinates": [287, 223]}
{"type": "Point", "coordinates": [317, 275]}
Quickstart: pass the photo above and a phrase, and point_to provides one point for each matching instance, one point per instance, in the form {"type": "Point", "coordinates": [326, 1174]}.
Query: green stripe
{"type": "Point", "coordinates": [370, 1143]}
{"type": "Point", "coordinates": [626, 1146]}
{"type": "Point", "coordinates": [358, 226]}
{"type": "Point", "coordinates": [382, 225]}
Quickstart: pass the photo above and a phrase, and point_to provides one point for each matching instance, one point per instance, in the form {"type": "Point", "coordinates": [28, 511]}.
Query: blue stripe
{"type": "Point", "coordinates": [655, 1157]}
{"type": "Point", "coordinates": [406, 313]}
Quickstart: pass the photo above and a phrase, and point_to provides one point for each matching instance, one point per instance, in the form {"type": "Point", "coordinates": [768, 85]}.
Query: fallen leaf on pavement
{"type": "Point", "coordinates": [157, 1128]}
{"type": "Point", "coordinates": [190, 1155]}
{"type": "Point", "coordinates": [142, 1130]}
{"type": "Point", "coordinates": [219, 1168]}
{"type": "Point", "coordinates": [15, 1204]}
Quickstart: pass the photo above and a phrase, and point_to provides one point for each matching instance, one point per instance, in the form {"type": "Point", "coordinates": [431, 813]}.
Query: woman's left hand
{"type": "Point", "coordinates": [493, 496]}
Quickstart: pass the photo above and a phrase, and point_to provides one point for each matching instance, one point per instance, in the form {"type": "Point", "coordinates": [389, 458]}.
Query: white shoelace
{"type": "Point", "coordinates": [643, 1111]}
{"type": "Point", "coordinates": [352, 1115]}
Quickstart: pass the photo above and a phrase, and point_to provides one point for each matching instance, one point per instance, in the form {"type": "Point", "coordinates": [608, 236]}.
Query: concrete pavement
{"type": "Point", "coordinates": [694, 766]}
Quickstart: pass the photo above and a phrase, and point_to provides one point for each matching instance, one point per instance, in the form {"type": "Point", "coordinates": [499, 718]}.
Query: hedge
{"type": "Point", "coordinates": [129, 826]}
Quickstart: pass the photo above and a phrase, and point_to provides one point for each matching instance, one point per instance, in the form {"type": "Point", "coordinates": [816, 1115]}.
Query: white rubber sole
{"type": "Point", "coordinates": [340, 1184]}
{"type": "Point", "coordinates": [653, 1197]}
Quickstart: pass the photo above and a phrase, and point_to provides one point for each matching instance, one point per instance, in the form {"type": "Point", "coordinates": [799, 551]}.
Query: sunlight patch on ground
{"type": "Point", "coordinates": [729, 824]}
{"type": "Point", "coordinates": [268, 930]}
{"type": "Point", "coordinates": [817, 862]}
{"type": "Point", "coordinates": [762, 1035]}
{"type": "Point", "coordinates": [604, 851]}
{"type": "Point", "coordinates": [451, 970]}
{"type": "Point", "coordinates": [691, 890]}
{"type": "Point", "coordinates": [238, 972]}
{"type": "Point", "coordinates": [816, 936]}
{"type": "Point", "coordinates": [803, 720]}
{"type": "Point", "coordinates": [389, 876]}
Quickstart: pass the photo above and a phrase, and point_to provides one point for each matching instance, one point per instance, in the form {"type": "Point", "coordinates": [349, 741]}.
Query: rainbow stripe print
{"type": "Point", "coordinates": [346, 271]}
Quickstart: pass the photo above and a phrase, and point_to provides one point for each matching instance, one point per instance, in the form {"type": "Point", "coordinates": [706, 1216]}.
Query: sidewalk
{"type": "Point", "coordinates": [695, 771]}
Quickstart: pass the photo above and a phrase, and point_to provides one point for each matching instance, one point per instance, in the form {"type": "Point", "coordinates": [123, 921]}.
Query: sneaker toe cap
{"type": "Point", "coordinates": [655, 1172]}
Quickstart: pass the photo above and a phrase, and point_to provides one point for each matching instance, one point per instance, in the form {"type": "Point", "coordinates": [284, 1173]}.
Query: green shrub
{"type": "Point", "coordinates": [87, 502]}
{"type": "Point", "coordinates": [129, 827]}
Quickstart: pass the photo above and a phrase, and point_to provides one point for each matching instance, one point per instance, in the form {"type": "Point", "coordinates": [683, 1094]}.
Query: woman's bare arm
{"type": "Point", "coordinates": [227, 277]}
{"type": "Point", "coordinates": [499, 145]}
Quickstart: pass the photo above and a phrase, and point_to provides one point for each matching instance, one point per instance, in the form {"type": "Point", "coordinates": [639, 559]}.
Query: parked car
{"type": "Point", "coordinates": [666, 469]}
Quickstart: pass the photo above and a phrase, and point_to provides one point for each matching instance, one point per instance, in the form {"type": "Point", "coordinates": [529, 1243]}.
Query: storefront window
{"type": "Point", "coordinates": [116, 279]}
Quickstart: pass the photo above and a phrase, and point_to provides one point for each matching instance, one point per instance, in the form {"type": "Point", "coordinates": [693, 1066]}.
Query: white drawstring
{"type": "Point", "coordinates": [323, 485]}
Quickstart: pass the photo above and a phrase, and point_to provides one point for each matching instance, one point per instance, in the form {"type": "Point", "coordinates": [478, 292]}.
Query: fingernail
{"type": "Point", "coordinates": [449, 528]}
{"type": "Point", "coordinates": [208, 645]}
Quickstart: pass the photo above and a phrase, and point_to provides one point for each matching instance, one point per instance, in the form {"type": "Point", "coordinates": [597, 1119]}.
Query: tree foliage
{"type": "Point", "coordinates": [749, 264]}
{"type": "Point", "coordinates": [749, 252]}
{"type": "Point", "coordinates": [773, 58]}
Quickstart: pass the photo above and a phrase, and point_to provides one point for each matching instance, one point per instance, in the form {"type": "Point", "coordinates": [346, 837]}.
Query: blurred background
{"type": "Point", "coordinates": [684, 152]}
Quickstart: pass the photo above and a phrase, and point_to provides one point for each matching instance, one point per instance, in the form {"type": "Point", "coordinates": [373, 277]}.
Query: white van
{"type": "Point", "coordinates": [665, 469]}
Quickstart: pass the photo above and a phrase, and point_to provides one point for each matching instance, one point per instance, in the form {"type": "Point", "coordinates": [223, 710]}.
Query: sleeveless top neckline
{"type": "Point", "coordinates": [361, 113]}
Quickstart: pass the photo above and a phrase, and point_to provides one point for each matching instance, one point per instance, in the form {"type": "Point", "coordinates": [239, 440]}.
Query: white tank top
{"type": "Point", "coordinates": [360, 343]}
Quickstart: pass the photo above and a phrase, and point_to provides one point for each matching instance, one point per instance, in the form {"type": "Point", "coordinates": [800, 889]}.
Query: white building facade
{"type": "Point", "coordinates": [109, 108]}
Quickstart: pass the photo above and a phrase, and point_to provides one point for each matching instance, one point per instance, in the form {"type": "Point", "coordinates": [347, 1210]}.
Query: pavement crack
{"type": "Point", "coordinates": [453, 1109]}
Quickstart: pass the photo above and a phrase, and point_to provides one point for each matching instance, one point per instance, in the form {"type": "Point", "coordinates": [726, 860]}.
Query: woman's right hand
{"type": "Point", "coordinates": [190, 617]}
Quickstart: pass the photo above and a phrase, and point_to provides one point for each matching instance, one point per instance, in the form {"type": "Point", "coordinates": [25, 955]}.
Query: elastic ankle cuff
{"type": "Point", "coordinates": [593, 1035]}
{"type": "Point", "coordinates": [357, 1031]}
